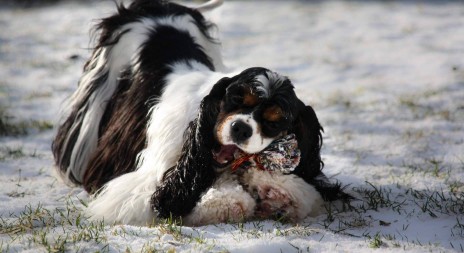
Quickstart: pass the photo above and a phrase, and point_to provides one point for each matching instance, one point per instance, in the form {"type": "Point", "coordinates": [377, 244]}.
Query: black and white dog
{"type": "Point", "coordinates": [154, 123]}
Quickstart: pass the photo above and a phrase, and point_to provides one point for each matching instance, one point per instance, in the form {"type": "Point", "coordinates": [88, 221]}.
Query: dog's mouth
{"type": "Point", "coordinates": [225, 155]}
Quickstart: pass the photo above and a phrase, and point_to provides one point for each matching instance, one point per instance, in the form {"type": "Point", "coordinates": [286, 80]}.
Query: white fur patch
{"type": "Point", "coordinates": [125, 200]}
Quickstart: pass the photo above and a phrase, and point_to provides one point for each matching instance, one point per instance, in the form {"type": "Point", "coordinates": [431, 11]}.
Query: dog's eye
{"type": "Point", "coordinates": [272, 126]}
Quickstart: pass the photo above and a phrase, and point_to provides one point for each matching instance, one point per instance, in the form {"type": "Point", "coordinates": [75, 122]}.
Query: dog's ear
{"type": "Point", "coordinates": [308, 132]}
{"type": "Point", "coordinates": [210, 106]}
{"type": "Point", "coordinates": [183, 184]}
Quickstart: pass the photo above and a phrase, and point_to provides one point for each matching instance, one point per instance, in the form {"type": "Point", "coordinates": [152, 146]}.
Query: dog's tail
{"type": "Point", "coordinates": [78, 134]}
{"type": "Point", "coordinates": [210, 5]}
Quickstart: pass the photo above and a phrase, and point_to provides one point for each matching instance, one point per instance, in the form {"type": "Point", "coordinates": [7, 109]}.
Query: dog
{"type": "Point", "coordinates": [156, 119]}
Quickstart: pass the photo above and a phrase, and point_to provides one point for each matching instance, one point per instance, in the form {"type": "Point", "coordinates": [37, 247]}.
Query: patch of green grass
{"type": "Point", "coordinates": [376, 242]}
{"type": "Point", "coordinates": [15, 153]}
{"type": "Point", "coordinates": [36, 95]}
{"type": "Point", "coordinates": [149, 248]}
{"type": "Point", "coordinates": [173, 227]}
{"type": "Point", "coordinates": [456, 187]}
{"type": "Point", "coordinates": [40, 125]}
{"type": "Point", "coordinates": [438, 202]}
{"type": "Point", "coordinates": [10, 127]}
{"type": "Point", "coordinates": [298, 230]}
{"type": "Point", "coordinates": [36, 226]}
{"type": "Point", "coordinates": [375, 197]}
{"type": "Point", "coordinates": [429, 202]}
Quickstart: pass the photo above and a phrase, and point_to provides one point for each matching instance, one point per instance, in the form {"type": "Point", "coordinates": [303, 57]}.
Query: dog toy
{"type": "Point", "coordinates": [281, 155]}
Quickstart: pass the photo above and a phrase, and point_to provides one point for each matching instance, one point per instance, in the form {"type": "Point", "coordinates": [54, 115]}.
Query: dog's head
{"type": "Point", "coordinates": [257, 107]}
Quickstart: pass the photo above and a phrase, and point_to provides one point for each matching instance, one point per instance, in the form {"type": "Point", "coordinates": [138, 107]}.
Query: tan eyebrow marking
{"type": "Point", "coordinates": [273, 113]}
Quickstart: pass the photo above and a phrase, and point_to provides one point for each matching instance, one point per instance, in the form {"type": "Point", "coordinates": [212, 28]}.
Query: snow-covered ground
{"type": "Point", "coordinates": [386, 79]}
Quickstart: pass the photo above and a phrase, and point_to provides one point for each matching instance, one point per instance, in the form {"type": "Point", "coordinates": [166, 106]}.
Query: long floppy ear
{"type": "Point", "coordinates": [183, 184]}
{"type": "Point", "coordinates": [308, 132]}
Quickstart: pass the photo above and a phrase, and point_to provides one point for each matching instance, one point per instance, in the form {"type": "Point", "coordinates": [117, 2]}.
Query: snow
{"type": "Point", "coordinates": [386, 79]}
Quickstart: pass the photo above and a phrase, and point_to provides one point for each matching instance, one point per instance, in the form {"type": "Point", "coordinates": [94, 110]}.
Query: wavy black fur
{"type": "Point", "coordinates": [194, 173]}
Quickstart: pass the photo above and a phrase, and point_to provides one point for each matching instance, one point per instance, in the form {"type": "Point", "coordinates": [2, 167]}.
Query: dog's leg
{"type": "Point", "coordinates": [281, 196]}
{"type": "Point", "coordinates": [225, 201]}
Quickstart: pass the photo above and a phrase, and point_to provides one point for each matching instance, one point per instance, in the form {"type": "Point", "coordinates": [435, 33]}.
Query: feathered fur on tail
{"type": "Point", "coordinates": [77, 135]}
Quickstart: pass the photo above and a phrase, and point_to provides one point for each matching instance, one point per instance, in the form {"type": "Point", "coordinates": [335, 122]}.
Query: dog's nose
{"type": "Point", "coordinates": [240, 131]}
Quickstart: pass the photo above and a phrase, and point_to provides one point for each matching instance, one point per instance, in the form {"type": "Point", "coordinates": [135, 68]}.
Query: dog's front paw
{"type": "Point", "coordinates": [233, 212]}
{"type": "Point", "coordinates": [273, 203]}
{"type": "Point", "coordinates": [222, 204]}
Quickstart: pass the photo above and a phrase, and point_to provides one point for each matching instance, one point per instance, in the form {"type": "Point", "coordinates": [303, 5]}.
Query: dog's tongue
{"type": "Point", "coordinates": [225, 154]}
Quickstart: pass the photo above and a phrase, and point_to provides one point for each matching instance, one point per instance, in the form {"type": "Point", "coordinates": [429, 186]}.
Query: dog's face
{"type": "Point", "coordinates": [258, 107]}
